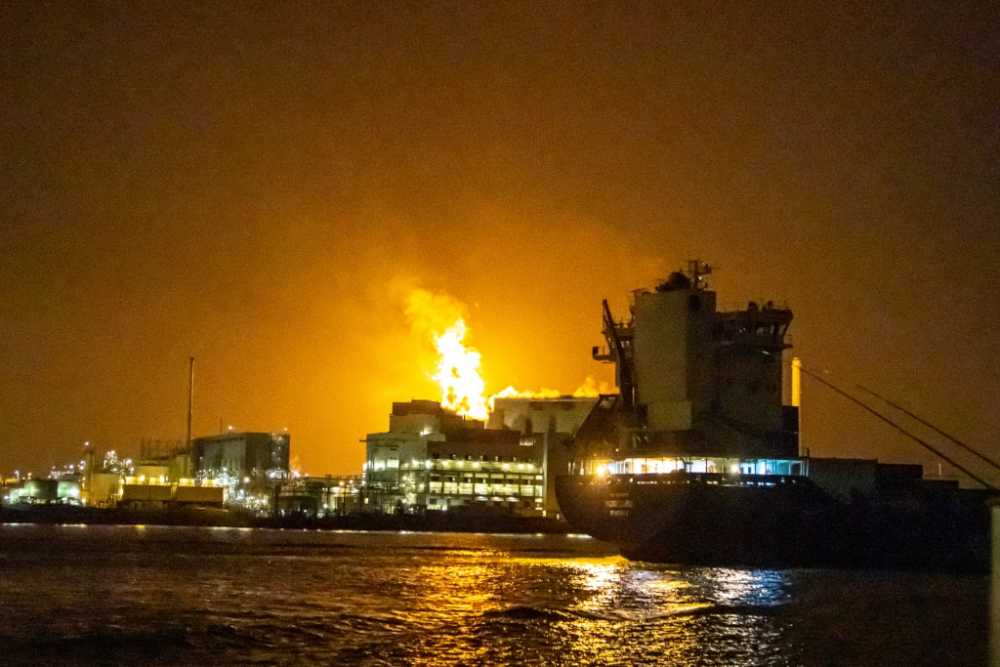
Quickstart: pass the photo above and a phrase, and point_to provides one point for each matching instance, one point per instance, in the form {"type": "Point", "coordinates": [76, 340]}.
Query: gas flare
{"type": "Point", "coordinates": [511, 392]}
{"type": "Point", "coordinates": [592, 389]}
{"type": "Point", "coordinates": [441, 318]}
{"type": "Point", "coordinates": [589, 389]}
{"type": "Point", "coordinates": [457, 370]}
{"type": "Point", "coordinates": [458, 373]}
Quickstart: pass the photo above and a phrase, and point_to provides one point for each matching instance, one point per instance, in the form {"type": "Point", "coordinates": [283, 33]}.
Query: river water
{"type": "Point", "coordinates": [133, 595]}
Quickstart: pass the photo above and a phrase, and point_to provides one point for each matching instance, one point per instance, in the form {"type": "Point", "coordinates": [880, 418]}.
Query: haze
{"type": "Point", "coordinates": [261, 185]}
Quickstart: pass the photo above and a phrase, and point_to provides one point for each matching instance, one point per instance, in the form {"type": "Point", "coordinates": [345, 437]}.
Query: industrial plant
{"type": "Point", "coordinates": [696, 438]}
{"type": "Point", "coordinates": [466, 455]}
{"type": "Point", "coordinates": [430, 460]}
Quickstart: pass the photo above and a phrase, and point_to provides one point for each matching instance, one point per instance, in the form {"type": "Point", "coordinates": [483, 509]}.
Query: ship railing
{"type": "Point", "coordinates": [740, 306]}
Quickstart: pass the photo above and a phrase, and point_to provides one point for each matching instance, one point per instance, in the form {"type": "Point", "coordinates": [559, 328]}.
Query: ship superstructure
{"type": "Point", "coordinates": [696, 459]}
{"type": "Point", "coordinates": [700, 388]}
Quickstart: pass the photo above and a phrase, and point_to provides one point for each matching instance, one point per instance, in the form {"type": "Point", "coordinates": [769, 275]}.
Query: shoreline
{"type": "Point", "coordinates": [223, 518]}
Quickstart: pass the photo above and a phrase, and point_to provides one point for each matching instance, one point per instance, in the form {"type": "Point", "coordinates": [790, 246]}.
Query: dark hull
{"type": "Point", "coordinates": [760, 521]}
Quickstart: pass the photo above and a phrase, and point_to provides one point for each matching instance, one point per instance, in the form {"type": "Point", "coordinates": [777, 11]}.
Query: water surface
{"type": "Point", "coordinates": [156, 595]}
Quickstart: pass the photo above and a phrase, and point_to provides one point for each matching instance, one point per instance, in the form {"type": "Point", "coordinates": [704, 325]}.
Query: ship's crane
{"type": "Point", "coordinates": [619, 352]}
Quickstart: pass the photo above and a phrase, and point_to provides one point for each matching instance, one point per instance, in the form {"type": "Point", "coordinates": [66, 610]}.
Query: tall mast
{"type": "Point", "coordinates": [190, 403]}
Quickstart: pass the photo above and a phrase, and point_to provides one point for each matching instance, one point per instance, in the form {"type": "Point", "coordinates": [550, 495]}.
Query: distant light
{"type": "Point", "coordinates": [602, 470]}
{"type": "Point", "coordinates": [735, 468]}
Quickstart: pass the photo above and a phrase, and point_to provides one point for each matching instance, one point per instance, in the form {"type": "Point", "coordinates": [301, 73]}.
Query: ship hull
{"type": "Point", "coordinates": [775, 521]}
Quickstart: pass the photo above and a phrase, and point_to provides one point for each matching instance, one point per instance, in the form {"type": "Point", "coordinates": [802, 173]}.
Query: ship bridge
{"type": "Point", "coordinates": [695, 382]}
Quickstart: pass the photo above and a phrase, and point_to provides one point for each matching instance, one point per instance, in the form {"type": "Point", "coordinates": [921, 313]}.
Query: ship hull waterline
{"type": "Point", "coordinates": [775, 522]}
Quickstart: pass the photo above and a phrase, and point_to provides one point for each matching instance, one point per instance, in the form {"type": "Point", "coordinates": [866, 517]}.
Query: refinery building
{"type": "Point", "coordinates": [432, 459]}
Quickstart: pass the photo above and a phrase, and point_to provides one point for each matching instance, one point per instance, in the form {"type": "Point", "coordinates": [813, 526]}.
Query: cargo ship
{"type": "Point", "coordinates": [696, 459]}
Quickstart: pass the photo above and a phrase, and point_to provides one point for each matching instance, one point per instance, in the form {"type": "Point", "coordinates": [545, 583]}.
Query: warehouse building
{"type": "Point", "coordinates": [241, 456]}
{"type": "Point", "coordinates": [248, 465]}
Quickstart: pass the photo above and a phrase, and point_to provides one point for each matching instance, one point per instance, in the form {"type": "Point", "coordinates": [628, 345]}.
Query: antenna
{"type": "Point", "coordinates": [697, 270]}
{"type": "Point", "coordinates": [190, 403]}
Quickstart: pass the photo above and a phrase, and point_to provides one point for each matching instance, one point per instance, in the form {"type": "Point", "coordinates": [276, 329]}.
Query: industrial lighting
{"type": "Point", "coordinates": [602, 470]}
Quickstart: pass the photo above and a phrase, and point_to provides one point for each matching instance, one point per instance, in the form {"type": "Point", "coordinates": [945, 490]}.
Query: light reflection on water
{"type": "Point", "coordinates": [105, 595]}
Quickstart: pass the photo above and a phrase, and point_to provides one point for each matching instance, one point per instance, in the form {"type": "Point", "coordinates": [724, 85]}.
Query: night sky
{"type": "Point", "coordinates": [260, 185]}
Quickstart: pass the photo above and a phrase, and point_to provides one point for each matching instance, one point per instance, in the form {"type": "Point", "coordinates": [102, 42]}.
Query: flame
{"type": "Point", "coordinates": [457, 370]}
{"type": "Point", "coordinates": [589, 389]}
{"type": "Point", "coordinates": [441, 318]}
{"type": "Point", "coordinates": [592, 389]}
{"type": "Point", "coordinates": [458, 373]}
{"type": "Point", "coordinates": [511, 392]}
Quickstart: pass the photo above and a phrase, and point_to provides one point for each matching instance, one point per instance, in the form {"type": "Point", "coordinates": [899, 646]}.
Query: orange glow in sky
{"type": "Point", "coordinates": [457, 372]}
{"type": "Point", "coordinates": [177, 181]}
